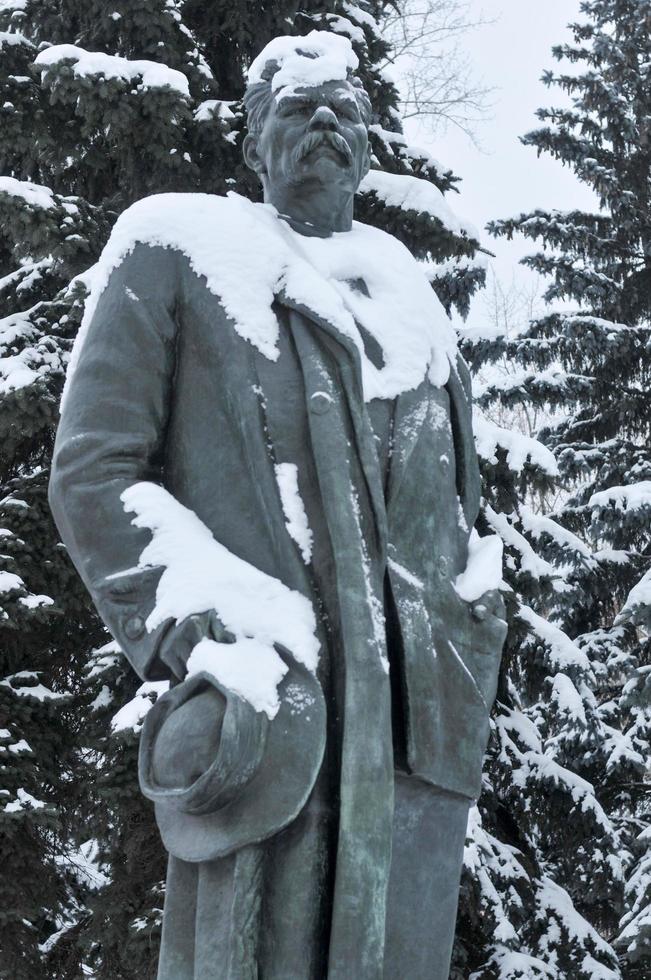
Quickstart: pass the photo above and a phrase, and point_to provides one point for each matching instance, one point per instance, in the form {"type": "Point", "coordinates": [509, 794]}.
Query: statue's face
{"type": "Point", "coordinates": [313, 135]}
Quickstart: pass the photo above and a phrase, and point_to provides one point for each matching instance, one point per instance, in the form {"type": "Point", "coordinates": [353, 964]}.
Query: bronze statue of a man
{"type": "Point", "coordinates": [265, 474]}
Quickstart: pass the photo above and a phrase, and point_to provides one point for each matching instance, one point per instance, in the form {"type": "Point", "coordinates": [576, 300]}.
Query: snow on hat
{"type": "Point", "coordinates": [318, 57]}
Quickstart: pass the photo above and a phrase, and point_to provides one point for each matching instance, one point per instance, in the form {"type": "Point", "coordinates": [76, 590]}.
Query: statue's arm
{"type": "Point", "coordinates": [467, 463]}
{"type": "Point", "coordinates": [111, 435]}
{"type": "Point", "coordinates": [478, 627]}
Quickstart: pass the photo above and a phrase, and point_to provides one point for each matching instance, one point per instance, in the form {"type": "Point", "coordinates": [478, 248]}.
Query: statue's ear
{"type": "Point", "coordinates": [367, 162]}
{"type": "Point", "coordinates": [251, 156]}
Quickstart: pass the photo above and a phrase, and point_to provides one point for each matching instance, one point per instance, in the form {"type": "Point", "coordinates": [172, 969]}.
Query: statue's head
{"type": "Point", "coordinates": [308, 115]}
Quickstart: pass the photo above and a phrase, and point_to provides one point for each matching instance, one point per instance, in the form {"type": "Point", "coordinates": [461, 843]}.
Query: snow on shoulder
{"type": "Point", "coordinates": [199, 575]}
{"type": "Point", "coordinates": [248, 257]}
{"type": "Point", "coordinates": [318, 57]}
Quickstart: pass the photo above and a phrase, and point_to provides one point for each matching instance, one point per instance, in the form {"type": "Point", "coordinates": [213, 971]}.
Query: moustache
{"type": "Point", "coordinates": [328, 138]}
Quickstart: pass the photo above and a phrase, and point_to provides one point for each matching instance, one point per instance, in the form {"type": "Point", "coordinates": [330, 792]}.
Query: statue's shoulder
{"type": "Point", "coordinates": [188, 223]}
{"type": "Point", "coordinates": [206, 234]}
{"type": "Point", "coordinates": [387, 248]}
{"type": "Point", "coordinates": [178, 213]}
{"type": "Point", "coordinates": [382, 238]}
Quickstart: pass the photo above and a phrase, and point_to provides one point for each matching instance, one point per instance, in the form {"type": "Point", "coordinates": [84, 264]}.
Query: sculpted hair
{"type": "Point", "coordinates": [258, 98]}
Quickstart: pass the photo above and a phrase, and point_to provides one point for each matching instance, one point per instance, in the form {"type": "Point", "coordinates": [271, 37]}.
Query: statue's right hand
{"type": "Point", "coordinates": [180, 641]}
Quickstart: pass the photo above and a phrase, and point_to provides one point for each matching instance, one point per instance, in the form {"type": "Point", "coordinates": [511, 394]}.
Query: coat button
{"type": "Point", "coordinates": [134, 627]}
{"type": "Point", "coordinates": [479, 612]}
{"type": "Point", "coordinates": [320, 402]}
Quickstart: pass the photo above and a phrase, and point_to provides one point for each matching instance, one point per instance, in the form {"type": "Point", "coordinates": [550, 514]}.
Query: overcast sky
{"type": "Point", "coordinates": [504, 177]}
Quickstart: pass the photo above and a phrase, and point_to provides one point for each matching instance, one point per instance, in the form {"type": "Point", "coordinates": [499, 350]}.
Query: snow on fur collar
{"type": "Point", "coordinates": [249, 255]}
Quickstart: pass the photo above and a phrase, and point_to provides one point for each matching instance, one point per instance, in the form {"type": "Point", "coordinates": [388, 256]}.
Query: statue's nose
{"type": "Point", "coordinates": [324, 118]}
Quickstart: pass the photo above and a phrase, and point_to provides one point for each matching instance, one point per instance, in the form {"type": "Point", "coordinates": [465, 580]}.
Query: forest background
{"type": "Point", "coordinates": [101, 105]}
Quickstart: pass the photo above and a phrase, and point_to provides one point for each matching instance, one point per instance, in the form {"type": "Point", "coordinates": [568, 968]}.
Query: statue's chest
{"type": "Point", "coordinates": [290, 397]}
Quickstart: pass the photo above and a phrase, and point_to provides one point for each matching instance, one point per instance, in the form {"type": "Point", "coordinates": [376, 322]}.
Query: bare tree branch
{"type": "Point", "coordinates": [435, 77]}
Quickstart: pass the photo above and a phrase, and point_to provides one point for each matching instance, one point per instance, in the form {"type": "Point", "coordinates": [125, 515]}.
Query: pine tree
{"type": "Point", "coordinates": [102, 105]}
{"type": "Point", "coordinates": [586, 364]}
{"type": "Point", "coordinates": [541, 849]}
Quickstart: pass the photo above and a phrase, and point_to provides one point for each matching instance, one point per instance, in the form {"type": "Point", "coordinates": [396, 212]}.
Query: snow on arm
{"type": "Point", "coordinates": [249, 667]}
{"type": "Point", "coordinates": [200, 575]}
{"type": "Point", "coordinates": [150, 74]}
{"type": "Point", "coordinates": [483, 570]}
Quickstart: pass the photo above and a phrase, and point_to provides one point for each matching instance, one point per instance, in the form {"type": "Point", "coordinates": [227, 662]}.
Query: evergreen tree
{"type": "Point", "coordinates": [541, 850]}
{"type": "Point", "coordinates": [586, 364]}
{"type": "Point", "coordinates": [103, 105]}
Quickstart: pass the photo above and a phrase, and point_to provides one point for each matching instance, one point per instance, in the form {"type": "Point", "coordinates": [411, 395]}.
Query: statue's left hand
{"type": "Point", "coordinates": [490, 604]}
{"type": "Point", "coordinates": [480, 629]}
{"type": "Point", "coordinates": [180, 641]}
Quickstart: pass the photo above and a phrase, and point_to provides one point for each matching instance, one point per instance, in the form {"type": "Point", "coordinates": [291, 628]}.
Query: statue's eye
{"type": "Point", "coordinates": [348, 110]}
{"type": "Point", "coordinates": [297, 109]}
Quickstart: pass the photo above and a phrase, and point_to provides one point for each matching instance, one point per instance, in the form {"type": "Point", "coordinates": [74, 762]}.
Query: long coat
{"type": "Point", "coordinates": [166, 391]}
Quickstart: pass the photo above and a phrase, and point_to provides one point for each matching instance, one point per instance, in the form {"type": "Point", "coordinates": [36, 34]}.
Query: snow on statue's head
{"type": "Point", "coordinates": [308, 114]}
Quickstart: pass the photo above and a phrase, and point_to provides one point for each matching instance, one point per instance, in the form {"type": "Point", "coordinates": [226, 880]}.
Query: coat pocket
{"type": "Point", "coordinates": [478, 631]}
{"type": "Point", "coordinates": [446, 684]}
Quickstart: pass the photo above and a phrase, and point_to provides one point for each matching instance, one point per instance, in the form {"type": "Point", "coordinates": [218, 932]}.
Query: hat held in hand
{"type": "Point", "coordinates": [223, 775]}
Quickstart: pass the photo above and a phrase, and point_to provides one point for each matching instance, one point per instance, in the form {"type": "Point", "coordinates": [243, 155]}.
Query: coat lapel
{"type": "Point", "coordinates": [351, 377]}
